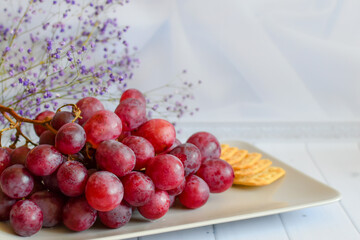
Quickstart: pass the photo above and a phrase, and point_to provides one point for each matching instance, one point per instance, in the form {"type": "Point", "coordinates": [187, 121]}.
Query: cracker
{"type": "Point", "coordinates": [249, 160]}
{"type": "Point", "coordinates": [232, 154]}
{"type": "Point", "coordinates": [227, 152]}
{"type": "Point", "coordinates": [265, 177]}
{"type": "Point", "coordinates": [254, 169]}
{"type": "Point", "coordinates": [223, 145]}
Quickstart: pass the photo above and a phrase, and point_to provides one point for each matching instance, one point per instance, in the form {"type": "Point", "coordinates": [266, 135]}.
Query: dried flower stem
{"type": "Point", "coordinates": [16, 30]}
{"type": "Point", "coordinates": [17, 120]}
{"type": "Point", "coordinates": [76, 111]}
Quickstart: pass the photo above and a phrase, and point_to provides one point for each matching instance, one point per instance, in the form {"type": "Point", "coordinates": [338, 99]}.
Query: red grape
{"type": "Point", "coordinates": [132, 113]}
{"type": "Point", "coordinates": [189, 155]}
{"type": "Point", "coordinates": [103, 125]}
{"type": "Point", "coordinates": [123, 135]}
{"type": "Point", "coordinates": [196, 192]}
{"type": "Point", "coordinates": [43, 160]}
{"type": "Point", "coordinates": [5, 206]}
{"type": "Point", "coordinates": [175, 144]}
{"type": "Point", "coordinates": [71, 178]}
{"type": "Point", "coordinates": [176, 191]}
{"type": "Point", "coordinates": [133, 93]}
{"type": "Point", "coordinates": [47, 137]}
{"type": "Point", "coordinates": [142, 149]}
{"type": "Point", "coordinates": [38, 185]}
{"type": "Point", "coordinates": [70, 138]}
{"type": "Point", "coordinates": [51, 182]}
{"type": "Point", "coordinates": [4, 159]}
{"type": "Point", "coordinates": [78, 215]}
{"type": "Point", "coordinates": [16, 181]}
{"type": "Point", "coordinates": [88, 106]}
{"type": "Point", "coordinates": [159, 132]}
{"type": "Point", "coordinates": [104, 191]}
{"type": "Point", "coordinates": [207, 143]}
{"type": "Point", "coordinates": [61, 118]}
{"type": "Point", "coordinates": [157, 207]}
{"type": "Point", "coordinates": [138, 188]}
{"type": "Point", "coordinates": [115, 157]}
{"type": "Point", "coordinates": [39, 129]}
{"type": "Point", "coordinates": [166, 171]}
{"type": "Point", "coordinates": [51, 206]}
{"type": "Point", "coordinates": [218, 174]}
{"type": "Point", "coordinates": [9, 150]}
{"type": "Point", "coordinates": [117, 217]}
{"type": "Point", "coordinates": [26, 218]}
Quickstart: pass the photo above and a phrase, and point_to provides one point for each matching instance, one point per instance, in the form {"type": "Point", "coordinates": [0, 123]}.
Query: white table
{"type": "Point", "coordinates": [328, 152]}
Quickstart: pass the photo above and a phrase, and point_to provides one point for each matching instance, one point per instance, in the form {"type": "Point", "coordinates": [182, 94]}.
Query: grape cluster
{"type": "Point", "coordinates": [106, 165]}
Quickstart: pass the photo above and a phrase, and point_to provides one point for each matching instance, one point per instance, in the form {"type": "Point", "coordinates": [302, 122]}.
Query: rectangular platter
{"type": "Point", "coordinates": [292, 192]}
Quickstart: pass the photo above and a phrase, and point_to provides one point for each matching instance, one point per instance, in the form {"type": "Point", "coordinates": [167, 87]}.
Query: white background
{"type": "Point", "coordinates": [259, 60]}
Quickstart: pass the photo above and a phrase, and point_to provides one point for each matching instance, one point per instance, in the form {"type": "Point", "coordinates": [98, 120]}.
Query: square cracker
{"type": "Point", "coordinates": [232, 154]}
{"type": "Point", "coordinates": [254, 169]}
{"type": "Point", "coordinates": [249, 160]}
{"type": "Point", "coordinates": [265, 177]}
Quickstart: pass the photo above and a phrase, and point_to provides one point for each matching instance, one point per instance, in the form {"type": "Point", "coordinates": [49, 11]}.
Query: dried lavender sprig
{"type": "Point", "coordinates": [64, 62]}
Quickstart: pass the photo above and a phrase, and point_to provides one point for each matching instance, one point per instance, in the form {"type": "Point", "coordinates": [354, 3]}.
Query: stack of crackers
{"type": "Point", "coordinates": [249, 168]}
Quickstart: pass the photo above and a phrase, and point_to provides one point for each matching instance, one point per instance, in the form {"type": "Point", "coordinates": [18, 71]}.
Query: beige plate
{"type": "Point", "coordinates": [294, 191]}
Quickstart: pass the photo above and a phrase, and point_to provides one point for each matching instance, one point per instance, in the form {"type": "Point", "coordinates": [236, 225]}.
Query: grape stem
{"type": "Point", "coordinates": [16, 120]}
{"type": "Point", "coordinates": [87, 148]}
{"type": "Point", "coordinates": [76, 111]}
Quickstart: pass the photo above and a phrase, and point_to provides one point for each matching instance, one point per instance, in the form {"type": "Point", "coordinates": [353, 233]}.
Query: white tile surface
{"type": "Point", "coordinates": [202, 233]}
{"type": "Point", "coordinates": [251, 229]}
{"type": "Point", "coordinates": [340, 165]}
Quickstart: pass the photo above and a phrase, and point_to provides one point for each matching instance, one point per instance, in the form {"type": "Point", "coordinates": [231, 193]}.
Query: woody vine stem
{"type": "Point", "coordinates": [16, 120]}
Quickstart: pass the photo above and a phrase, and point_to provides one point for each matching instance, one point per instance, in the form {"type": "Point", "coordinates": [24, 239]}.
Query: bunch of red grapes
{"type": "Point", "coordinates": [105, 165]}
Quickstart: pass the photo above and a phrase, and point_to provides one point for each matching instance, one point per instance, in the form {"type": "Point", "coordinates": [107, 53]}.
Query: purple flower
{"type": "Point", "coordinates": [38, 101]}
{"type": "Point", "coordinates": [12, 138]}
{"type": "Point", "coordinates": [49, 45]}
{"type": "Point", "coordinates": [45, 26]}
{"type": "Point", "coordinates": [6, 50]}
{"type": "Point", "coordinates": [32, 90]}
{"type": "Point", "coordinates": [26, 82]}
{"type": "Point", "coordinates": [156, 106]}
